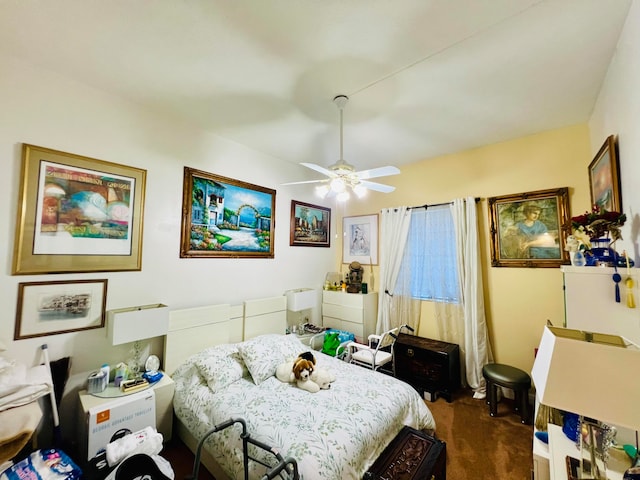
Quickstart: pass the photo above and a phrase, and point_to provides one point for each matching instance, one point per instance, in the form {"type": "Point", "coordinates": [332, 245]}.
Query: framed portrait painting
{"type": "Point", "coordinates": [51, 308]}
{"type": "Point", "coordinates": [529, 229]}
{"type": "Point", "coordinates": [360, 239]}
{"type": "Point", "coordinates": [77, 214]}
{"type": "Point", "coordinates": [310, 225]}
{"type": "Point", "coordinates": [604, 177]}
{"type": "Point", "coordinates": [223, 217]}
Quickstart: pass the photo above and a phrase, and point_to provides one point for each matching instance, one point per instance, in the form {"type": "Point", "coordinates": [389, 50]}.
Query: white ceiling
{"type": "Point", "coordinates": [424, 77]}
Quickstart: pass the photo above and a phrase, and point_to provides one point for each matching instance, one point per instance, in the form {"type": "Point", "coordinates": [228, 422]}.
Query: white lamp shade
{"type": "Point", "coordinates": [301, 299]}
{"type": "Point", "coordinates": [589, 374]}
{"type": "Point", "coordinates": [126, 325]}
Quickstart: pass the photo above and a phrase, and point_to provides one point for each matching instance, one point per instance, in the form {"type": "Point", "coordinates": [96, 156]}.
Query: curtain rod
{"type": "Point", "coordinates": [438, 204]}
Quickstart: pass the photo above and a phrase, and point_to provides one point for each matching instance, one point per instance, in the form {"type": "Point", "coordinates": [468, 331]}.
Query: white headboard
{"type": "Point", "coordinates": [194, 329]}
{"type": "Point", "coordinates": [266, 315]}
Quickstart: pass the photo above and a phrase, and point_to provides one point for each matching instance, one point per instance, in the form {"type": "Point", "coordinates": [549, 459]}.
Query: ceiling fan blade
{"type": "Point", "coordinates": [378, 187]}
{"type": "Point", "coordinates": [320, 169]}
{"type": "Point", "coordinates": [378, 172]}
{"type": "Point", "coordinates": [304, 181]}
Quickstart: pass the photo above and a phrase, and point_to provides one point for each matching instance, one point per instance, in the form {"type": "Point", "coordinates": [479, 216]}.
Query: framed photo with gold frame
{"type": "Point", "coordinates": [310, 225]}
{"type": "Point", "coordinates": [529, 229]}
{"type": "Point", "coordinates": [77, 214]}
{"type": "Point", "coordinates": [604, 177]}
{"type": "Point", "coordinates": [360, 239]}
{"type": "Point", "coordinates": [51, 308]}
{"type": "Point", "coordinates": [223, 217]}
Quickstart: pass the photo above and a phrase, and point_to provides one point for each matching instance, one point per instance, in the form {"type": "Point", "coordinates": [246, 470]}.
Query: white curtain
{"type": "Point", "coordinates": [392, 307]}
{"type": "Point", "coordinates": [465, 323]}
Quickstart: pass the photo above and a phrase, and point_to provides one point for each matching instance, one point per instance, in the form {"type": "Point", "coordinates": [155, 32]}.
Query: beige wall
{"type": "Point", "coordinates": [518, 301]}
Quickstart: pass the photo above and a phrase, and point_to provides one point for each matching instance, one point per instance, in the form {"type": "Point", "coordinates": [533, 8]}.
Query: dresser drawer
{"type": "Point", "coordinates": [350, 314]}
{"type": "Point", "coordinates": [342, 298]}
{"type": "Point", "coordinates": [356, 328]}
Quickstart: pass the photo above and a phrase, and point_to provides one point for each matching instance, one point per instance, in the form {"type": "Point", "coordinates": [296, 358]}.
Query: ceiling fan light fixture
{"type": "Point", "coordinates": [322, 190]}
{"type": "Point", "coordinates": [343, 196]}
{"type": "Point", "coordinates": [342, 176]}
{"type": "Point", "coordinates": [359, 190]}
{"type": "Point", "coordinates": [338, 185]}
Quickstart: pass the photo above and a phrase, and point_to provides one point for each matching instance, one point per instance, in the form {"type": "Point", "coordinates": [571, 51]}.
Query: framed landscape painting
{"type": "Point", "coordinates": [310, 225]}
{"type": "Point", "coordinates": [529, 229]}
{"type": "Point", "coordinates": [604, 177]}
{"type": "Point", "coordinates": [223, 217]}
{"type": "Point", "coordinates": [77, 214]}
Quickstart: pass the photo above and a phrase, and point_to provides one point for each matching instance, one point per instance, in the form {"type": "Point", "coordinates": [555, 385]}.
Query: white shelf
{"type": "Point", "coordinates": [560, 447]}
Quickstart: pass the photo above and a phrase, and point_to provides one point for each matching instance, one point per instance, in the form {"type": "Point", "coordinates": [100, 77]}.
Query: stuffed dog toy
{"type": "Point", "coordinates": [298, 371]}
{"type": "Point", "coordinates": [323, 378]}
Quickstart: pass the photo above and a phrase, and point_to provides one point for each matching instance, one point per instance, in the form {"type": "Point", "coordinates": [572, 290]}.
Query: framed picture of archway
{"type": "Point", "coordinates": [529, 229]}
{"type": "Point", "coordinates": [223, 217]}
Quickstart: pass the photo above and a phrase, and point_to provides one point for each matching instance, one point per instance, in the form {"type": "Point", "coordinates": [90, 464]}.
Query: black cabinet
{"type": "Point", "coordinates": [428, 365]}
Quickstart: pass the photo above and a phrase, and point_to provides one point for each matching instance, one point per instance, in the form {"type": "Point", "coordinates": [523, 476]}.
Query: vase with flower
{"type": "Point", "coordinates": [597, 231]}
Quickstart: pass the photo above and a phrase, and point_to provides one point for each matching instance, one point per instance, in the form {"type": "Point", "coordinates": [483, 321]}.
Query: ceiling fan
{"type": "Point", "coordinates": [342, 176]}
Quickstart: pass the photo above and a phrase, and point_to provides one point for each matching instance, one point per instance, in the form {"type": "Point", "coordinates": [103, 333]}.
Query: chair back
{"type": "Point", "coordinates": [387, 338]}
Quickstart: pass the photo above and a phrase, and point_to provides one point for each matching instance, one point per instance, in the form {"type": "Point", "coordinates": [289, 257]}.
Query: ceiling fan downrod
{"type": "Point", "coordinates": [341, 101]}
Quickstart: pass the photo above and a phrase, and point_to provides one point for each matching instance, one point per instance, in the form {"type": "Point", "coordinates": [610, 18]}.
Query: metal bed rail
{"type": "Point", "coordinates": [286, 468]}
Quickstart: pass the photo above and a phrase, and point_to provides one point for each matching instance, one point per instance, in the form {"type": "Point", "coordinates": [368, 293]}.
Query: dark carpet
{"type": "Point", "coordinates": [480, 446]}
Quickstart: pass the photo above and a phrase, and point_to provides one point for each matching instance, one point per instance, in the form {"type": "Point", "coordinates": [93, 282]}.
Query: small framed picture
{"type": "Point", "coordinates": [51, 308]}
{"type": "Point", "coordinates": [529, 229]}
{"type": "Point", "coordinates": [310, 225]}
{"type": "Point", "coordinates": [604, 177]}
{"type": "Point", "coordinates": [360, 239]}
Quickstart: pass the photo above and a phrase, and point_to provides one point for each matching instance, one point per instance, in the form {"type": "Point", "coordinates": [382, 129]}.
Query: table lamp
{"type": "Point", "coordinates": [133, 324]}
{"type": "Point", "coordinates": [301, 299]}
{"type": "Point", "coordinates": [591, 375]}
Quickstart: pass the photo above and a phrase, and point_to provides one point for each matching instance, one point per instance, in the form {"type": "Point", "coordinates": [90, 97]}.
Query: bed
{"type": "Point", "coordinates": [223, 359]}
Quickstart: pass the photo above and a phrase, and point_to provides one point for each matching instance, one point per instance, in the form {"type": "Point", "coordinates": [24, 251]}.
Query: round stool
{"type": "Point", "coordinates": [498, 375]}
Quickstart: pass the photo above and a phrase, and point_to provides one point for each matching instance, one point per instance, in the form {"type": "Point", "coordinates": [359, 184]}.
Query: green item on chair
{"type": "Point", "coordinates": [331, 343]}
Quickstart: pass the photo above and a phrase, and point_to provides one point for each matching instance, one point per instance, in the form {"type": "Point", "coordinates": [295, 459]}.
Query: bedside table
{"type": "Point", "coordinates": [163, 391]}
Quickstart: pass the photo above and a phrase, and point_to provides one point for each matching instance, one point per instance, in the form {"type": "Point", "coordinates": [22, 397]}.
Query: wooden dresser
{"type": "Point", "coordinates": [428, 365]}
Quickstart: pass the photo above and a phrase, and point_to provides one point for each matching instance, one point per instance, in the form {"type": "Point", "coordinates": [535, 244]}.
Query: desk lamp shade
{"type": "Point", "coordinates": [589, 374]}
{"type": "Point", "coordinates": [301, 299]}
{"type": "Point", "coordinates": [132, 324]}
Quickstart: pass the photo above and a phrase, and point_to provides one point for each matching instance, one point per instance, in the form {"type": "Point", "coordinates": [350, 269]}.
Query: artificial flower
{"type": "Point", "coordinates": [598, 223]}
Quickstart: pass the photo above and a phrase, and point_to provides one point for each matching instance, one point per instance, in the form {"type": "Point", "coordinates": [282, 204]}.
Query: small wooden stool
{"type": "Point", "coordinates": [506, 376]}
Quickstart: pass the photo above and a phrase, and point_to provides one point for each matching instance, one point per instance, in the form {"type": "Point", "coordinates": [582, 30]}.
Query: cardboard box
{"type": "Point", "coordinates": [129, 413]}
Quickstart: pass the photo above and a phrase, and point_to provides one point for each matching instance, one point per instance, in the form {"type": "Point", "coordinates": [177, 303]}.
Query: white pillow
{"type": "Point", "coordinates": [220, 366]}
{"type": "Point", "coordinates": [264, 353]}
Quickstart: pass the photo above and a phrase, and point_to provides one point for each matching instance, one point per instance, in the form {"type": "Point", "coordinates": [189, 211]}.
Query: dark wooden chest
{"type": "Point", "coordinates": [411, 455]}
{"type": "Point", "coordinates": [429, 365]}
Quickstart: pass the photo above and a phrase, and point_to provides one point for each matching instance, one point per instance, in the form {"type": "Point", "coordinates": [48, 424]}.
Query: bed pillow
{"type": "Point", "coordinates": [264, 353]}
{"type": "Point", "coordinates": [220, 366]}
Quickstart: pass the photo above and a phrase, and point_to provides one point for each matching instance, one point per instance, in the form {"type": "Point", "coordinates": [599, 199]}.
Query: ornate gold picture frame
{"type": "Point", "coordinates": [77, 214]}
{"type": "Point", "coordinates": [223, 217]}
{"type": "Point", "coordinates": [530, 229]}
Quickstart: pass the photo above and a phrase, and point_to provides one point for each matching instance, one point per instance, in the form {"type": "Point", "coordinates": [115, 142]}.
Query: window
{"type": "Point", "coordinates": [429, 266]}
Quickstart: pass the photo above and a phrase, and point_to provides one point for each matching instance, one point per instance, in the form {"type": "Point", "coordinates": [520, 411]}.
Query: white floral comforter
{"type": "Point", "coordinates": [334, 434]}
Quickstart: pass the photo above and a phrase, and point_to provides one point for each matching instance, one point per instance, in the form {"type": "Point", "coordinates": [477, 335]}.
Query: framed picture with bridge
{"type": "Point", "coordinates": [223, 217]}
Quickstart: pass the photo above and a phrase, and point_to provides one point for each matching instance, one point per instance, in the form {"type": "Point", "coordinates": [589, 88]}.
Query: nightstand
{"type": "Point", "coordinates": [305, 338]}
{"type": "Point", "coordinates": [162, 390]}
